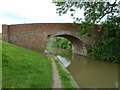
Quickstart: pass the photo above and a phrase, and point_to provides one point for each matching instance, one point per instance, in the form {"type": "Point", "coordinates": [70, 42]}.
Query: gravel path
{"type": "Point", "coordinates": [56, 77]}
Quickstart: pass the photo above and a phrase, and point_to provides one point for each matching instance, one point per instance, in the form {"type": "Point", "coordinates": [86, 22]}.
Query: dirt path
{"type": "Point", "coordinates": [56, 77]}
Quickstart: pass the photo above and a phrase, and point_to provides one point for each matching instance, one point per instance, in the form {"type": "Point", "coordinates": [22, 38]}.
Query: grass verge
{"type": "Point", "coordinates": [23, 68]}
{"type": "Point", "coordinates": [0, 64]}
{"type": "Point", "coordinates": [65, 76]}
{"type": "Point", "coordinates": [0, 36]}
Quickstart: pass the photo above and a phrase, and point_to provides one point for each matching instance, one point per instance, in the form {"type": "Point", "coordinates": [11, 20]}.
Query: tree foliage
{"type": "Point", "coordinates": [60, 42]}
{"type": "Point", "coordinates": [94, 12]}
{"type": "Point", "coordinates": [109, 49]}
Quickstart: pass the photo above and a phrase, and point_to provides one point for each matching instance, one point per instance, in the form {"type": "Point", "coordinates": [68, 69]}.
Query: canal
{"type": "Point", "coordinates": [88, 72]}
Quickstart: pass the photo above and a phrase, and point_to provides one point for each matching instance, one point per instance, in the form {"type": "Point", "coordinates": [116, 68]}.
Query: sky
{"type": "Point", "coordinates": [30, 11]}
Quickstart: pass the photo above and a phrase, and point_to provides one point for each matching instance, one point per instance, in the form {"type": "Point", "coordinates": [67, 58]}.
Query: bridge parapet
{"type": "Point", "coordinates": [35, 36]}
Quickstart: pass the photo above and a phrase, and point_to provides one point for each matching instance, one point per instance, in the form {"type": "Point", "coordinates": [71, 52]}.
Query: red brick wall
{"type": "Point", "coordinates": [5, 32]}
{"type": "Point", "coordinates": [35, 36]}
{"type": "Point", "coordinates": [31, 41]}
{"type": "Point", "coordinates": [39, 27]}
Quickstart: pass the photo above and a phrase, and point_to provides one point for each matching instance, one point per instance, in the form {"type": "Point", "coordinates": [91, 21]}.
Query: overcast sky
{"type": "Point", "coordinates": [30, 11]}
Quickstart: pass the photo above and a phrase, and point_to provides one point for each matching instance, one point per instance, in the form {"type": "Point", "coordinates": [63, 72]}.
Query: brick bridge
{"type": "Point", "coordinates": [35, 36]}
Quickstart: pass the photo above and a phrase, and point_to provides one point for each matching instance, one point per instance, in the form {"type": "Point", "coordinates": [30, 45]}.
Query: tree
{"type": "Point", "coordinates": [109, 48]}
{"type": "Point", "coordinates": [94, 12]}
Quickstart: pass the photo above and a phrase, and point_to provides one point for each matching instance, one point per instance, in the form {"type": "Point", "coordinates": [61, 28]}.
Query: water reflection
{"type": "Point", "coordinates": [88, 72]}
{"type": "Point", "coordinates": [64, 61]}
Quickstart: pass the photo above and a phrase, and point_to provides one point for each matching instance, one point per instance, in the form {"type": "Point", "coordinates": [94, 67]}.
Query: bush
{"type": "Point", "coordinates": [109, 49]}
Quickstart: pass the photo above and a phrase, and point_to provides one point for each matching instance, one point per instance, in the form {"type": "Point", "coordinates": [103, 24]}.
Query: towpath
{"type": "Point", "coordinates": [56, 77]}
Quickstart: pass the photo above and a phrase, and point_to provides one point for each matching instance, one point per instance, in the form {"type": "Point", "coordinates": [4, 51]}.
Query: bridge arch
{"type": "Point", "coordinates": [34, 36]}
{"type": "Point", "coordinates": [79, 47]}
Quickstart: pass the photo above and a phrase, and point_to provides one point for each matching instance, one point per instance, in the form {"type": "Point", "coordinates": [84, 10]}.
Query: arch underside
{"type": "Point", "coordinates": [78, 46]}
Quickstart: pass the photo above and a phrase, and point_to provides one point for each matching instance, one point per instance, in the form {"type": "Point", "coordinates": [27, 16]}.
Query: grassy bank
{"type": "Point", "coordinates": [0, 36]}
{"type": "Point", "coordinates": [0, 64]}
{"type": "Point", "coordinates": [65, 76]}
{"type": "Point", "coordinates": [23, 68]}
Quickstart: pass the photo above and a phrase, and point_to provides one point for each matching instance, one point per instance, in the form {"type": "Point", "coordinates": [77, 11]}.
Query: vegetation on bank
{"type": "Point", "coordinates": [65, 76]}
{"type": "Point", "coordinates": [0, 36]}
{"type": "Point", "coordinates": [109, 48]}
{"type": "Point", "coordinates": [23, 68]}
{"type": "Point", "coordinates": [60, 42]}
{"type": "Point", "coordinates": [0, 64]}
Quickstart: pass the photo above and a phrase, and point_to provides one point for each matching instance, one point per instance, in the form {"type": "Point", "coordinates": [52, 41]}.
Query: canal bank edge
{"type": "Point", "coordinates": [54, 58]}
{"type": "Point", "coordinates": [73, 82]}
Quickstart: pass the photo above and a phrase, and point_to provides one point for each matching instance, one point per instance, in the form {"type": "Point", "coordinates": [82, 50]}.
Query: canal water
{"type": "Point", "coordinates": [88, 72]}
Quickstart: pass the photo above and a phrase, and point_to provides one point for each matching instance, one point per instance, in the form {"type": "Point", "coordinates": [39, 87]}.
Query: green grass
{"type": "Point", "coordinates": [0, 64]}
{"type": "Point", "coordinates": [65, 76]}
{"type": "Point", "coordinates": [0, 36]}
{"type": "Point", "coordinates": [23, 68]}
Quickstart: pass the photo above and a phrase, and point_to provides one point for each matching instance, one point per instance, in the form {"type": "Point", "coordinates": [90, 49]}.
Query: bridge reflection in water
{"type": "Point", "coordinates": [88, 72]}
